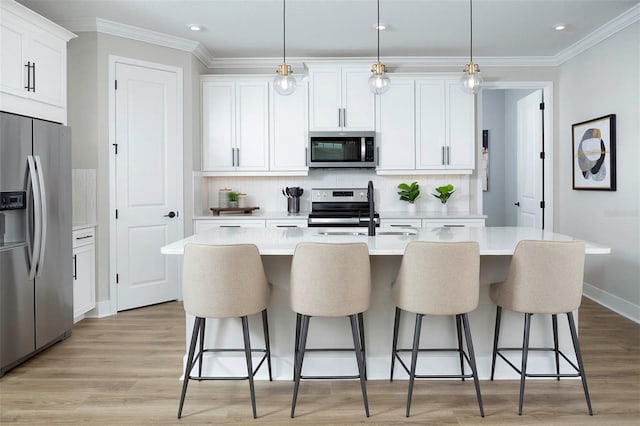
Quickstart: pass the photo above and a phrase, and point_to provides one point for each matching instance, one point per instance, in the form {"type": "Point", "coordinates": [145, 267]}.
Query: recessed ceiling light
{"type": "Point", "coordinates": [194, 27]}
{"type": "Point", "coordinates": [559, 27]}
{"type": "Point", "coordinates": [380, 26]}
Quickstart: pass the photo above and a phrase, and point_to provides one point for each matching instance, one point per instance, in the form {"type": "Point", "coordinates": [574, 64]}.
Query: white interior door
{"type": "Point", "coordinates": [529, 143]}
{"type": "Point", "coordinates": [148, 167]}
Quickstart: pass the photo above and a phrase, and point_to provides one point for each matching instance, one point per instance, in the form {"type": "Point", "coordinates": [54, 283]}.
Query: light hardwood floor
{"type": "Point", "coordinates": [125, 369]}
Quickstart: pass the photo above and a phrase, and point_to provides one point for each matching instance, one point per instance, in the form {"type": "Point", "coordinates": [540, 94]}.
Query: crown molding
{"type": "Point", "coordinates": [298, 63]}
{"type": "Point", "coordinates": [618, 23]}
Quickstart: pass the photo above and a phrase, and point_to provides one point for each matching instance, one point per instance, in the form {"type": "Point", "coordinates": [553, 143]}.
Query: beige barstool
{"type": "Point", "coordinates": [330, 280]}
{"type": "Point", "coordinates": [545, 277]}
{"type": "Point", "coordinates": [438, 278]}
{"type": "Point", "coordinates": [226, 281]}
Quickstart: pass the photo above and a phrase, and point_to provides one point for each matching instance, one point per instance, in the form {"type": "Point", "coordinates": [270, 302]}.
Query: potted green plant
{"type": "Point", "coordinates": [443, 194]}
{"type": "Point", "coordinates": [409, 193]}
{"type": "Point", "coordinates": [233, 199]}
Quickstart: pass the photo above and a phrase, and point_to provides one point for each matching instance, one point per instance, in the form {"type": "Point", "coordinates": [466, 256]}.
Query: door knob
{"type": "Point", "coordinates": [170, 215]}
{"type": "Point", "coordinates": [515, 204]}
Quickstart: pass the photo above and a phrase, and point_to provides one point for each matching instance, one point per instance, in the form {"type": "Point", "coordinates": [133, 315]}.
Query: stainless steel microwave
{"type": "Point", "coordinates": [342, 149]}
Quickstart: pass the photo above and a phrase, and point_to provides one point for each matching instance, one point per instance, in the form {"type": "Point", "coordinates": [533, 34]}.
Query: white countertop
{"type": "Point", "coordinates": [263, 214]}
{"type": "Point", "coordinates": [496, 241]}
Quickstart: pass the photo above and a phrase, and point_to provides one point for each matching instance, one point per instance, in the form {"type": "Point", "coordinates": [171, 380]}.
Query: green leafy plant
{"type": "Point", "coordinates": [409, 193]}
{"type": "Point", "coordinates": [233, 196]}
{"type": "Point", "coordinates": [444, 192]}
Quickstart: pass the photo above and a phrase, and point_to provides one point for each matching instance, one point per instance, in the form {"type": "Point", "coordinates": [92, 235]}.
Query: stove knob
{"type": "Point", "coordinates": [362, 194]}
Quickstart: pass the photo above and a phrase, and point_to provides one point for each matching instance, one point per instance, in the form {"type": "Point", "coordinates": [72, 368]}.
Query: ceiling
{"type": "Point", "coordinates": [344, 28]}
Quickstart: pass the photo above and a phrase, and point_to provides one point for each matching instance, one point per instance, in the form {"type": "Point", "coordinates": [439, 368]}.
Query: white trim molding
{"type": "Point", "coordinates": [612, 302]}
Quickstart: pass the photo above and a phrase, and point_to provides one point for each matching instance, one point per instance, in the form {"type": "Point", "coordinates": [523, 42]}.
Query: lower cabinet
{"type": "Point", "coordinates": [84, 289]}
{"type": "Point", "coordinates": [201, 225]}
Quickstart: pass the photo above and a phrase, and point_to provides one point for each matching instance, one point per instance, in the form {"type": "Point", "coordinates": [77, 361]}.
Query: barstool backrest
{"type": "Point", "coordinates": [544, 277]}
{"type": "Point", "coordinates": [224, 281]}
{"type": "Point", "coordinates": [437, 278]}
{"type": "Point", "coordinates": [330, 280]}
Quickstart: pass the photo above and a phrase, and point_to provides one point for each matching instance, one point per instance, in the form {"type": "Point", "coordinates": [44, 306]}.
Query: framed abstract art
{"type": "Point", "coordinates": [594, 154]}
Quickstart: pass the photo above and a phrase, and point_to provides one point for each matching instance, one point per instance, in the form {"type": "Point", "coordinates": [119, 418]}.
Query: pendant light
{"type": "Point", "coordinates": [379, 81]}
{"type": "Point", "coordinates": [471, 80]}
{"type": "Point", "coordinates": [284, 83]}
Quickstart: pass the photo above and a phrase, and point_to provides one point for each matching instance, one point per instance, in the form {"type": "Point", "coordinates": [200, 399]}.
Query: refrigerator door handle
{"type": "Point", "coordinates": [43, 213]}
{"type": "Point", "coordinates": [37, 238]}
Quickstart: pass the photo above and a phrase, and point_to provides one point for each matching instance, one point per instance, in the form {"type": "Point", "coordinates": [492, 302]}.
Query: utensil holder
{"type": "Point", "coordinates": [293, 204]}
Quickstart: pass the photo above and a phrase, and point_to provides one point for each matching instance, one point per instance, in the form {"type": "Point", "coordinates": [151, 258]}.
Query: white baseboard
{"type": "Point", "coordinates": [612, 302]}
{"type": "Point", "coordinates": [102, 309]}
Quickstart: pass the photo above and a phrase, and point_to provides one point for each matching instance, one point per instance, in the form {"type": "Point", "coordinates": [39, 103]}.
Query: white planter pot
{"type": "Point", "coordinates": [411, 207]}
{"type": "Point", "coordinates": [444, 208]}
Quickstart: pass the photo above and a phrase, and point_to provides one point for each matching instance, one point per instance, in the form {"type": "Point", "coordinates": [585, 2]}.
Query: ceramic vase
{"type": "Point", "coordinates": [411, 207]}
{"type": "Point", "coordinates": [444, 208]}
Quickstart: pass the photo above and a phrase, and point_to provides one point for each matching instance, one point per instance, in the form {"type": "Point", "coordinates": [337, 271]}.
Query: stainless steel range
{"type": "Point", "coordinates": [341, 207]}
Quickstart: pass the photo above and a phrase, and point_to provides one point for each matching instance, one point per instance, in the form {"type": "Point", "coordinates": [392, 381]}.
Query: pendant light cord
{"type": "Point", "coordinates": [284, 32]}
{"type": "Point", "coordinates": [471, 30]}
{"type": "Point", "coordinates": [378, 31]}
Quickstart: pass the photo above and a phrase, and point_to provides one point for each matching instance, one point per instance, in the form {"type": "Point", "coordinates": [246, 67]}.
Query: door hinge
{"type": "Point", "coordinates": [116, 147]}
{"type": "Point", "coordinates": [542, 155]}
{"type": "Point", "coordinates": [116, 213]}
{"type": "Point", "coordinates": [117, 278]}
{"type": "Point", "coordinates": [116, 85]}
{"type": "Point", "coordinates": [542, 106]}
{"type": "Point", "coordinates": [542, 204]}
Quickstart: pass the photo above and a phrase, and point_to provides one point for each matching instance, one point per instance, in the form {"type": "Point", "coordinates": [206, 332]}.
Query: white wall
{"type": "Point", "coordinates": [604, 80]}
{"type": "Point", "coordinates": [493, 121]}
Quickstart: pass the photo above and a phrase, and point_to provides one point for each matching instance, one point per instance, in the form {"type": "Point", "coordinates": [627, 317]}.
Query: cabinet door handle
{"type": "Point", "coordinates": [237, 157]}
{"type": "Point", "coordinates": [229, 226]}
{"type": "Point", "coordinates": [442, 155]}
{"type": "Point", "coordinates": [339, 117]}
{"type": "Point", "coordinates": [306, 157]}
{"type": "Point", "coordinates": [75, 266]}
{"type": "Point", "coordinates": [400, 226]}
{"type": "Point", "coordinates": [448, 155]}
{"type": "Point", "coordinates": [28, 67]}
{"type": "Point", "coordinates": [84, 237]}
{"type": "Point", "coordinates": [33, 86]}
{"type": "Point", "coordinates": [454, 226]}
{"type": "Point", "coordinates": [286, 226]}
{"type": "Point", "coordinates": [233, 157]}
{"type": "Point", "coordinates": [377, 156]}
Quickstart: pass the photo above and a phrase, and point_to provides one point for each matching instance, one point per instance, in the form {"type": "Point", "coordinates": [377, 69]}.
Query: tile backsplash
{"type": "Point", "coordinates": [266, 191]}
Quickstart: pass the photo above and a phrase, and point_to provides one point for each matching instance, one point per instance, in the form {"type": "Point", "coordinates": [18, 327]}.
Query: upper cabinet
{"type": "Point", "coordinates": [396, 126]}
{"type": "Point", "coordinates": [289, 118]}
{"type": "Point", "coordinates": [235, 124]}
{"type": "Point", "coordinates": [445, 126]}
{"type": "Point", "coordinates": [34, 64]}
{"type": "Point", "coordinates": [340, 99]}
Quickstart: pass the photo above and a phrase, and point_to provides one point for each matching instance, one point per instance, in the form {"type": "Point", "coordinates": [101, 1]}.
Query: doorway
{"type": "Point", "coordinates": [145, 113]}
{"type": "Point", "coordinates": [519, 188]}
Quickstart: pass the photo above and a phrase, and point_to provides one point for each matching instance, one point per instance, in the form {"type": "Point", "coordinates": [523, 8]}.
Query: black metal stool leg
{"type": "Point", "coordinates": [414, 360]}
{"type": "Point", "coordinates": [360, 358]}
{"type": "Point", "coordinates": [472, 361]}
{"type": "Point", "coordinates": [525, 353]}
{"type": "Point", "coordinates": [496, 333]}
{"type": "Point", "coordinates": [297, 368]}
{"type": "Point", "coordinates": [267, 346]}
{"type": "Point", "coordinates": [458, 321]}
{"type": "Point", "coordinates": [362, 346]}
{"type": "Point", "coordinates": [247, 352]}
{"type": "Point", "coordinates": [203, 323]}
{"type": "Point", "coordinates": [187, 370]}
{"type": "Point", "coordinates": [576, 347]}
{"type": "Point", "coordinates": [394, 345]}
{"type": "Point", "coordinates": [297, 345]}
{"type": "Point", "coordinates": [554, 324]}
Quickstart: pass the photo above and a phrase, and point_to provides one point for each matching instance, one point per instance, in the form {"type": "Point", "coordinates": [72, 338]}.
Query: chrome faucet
{"type": "Point", "coordinates": [372, 209]}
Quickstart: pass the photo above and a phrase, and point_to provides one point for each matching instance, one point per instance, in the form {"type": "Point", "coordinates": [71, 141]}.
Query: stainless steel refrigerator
{"type": "Point", "coordinates": [36, 285]}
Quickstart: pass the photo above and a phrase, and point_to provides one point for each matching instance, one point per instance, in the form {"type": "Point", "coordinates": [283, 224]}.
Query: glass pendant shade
{"type": "Point", "coordinates": [284, 83]}
{"type": "Point", "coordinates": [471, 81]}
{"type": "Point", "coordinates": [379, 81]}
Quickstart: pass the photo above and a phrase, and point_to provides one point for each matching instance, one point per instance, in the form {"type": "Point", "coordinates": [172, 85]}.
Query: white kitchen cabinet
{"type": "Point", "coordinates": [445, 120]}
{"type": "Point", "coordinates": [395, 126]}
{"type": "Point", "coordinates": [235, 124]}
{"type": "Point", "coordinates": [34, 64]}
{"type": "Point", "coordinates": [340, 99]}
{"type": "Point", "coordinates": [84, 288]}
{"type": "Point", "coordinates": [201, 225]}
{"type": "Point", "coordinates": [289, 118]}
{"type": "Point", "coordinates": [287, 223]}
{"type": "Point", "coordinates": [452, 223]}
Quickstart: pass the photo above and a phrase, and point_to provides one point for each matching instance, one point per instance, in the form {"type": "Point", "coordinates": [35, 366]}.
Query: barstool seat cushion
{"type": "Point", "coordinates": [224, 281]}
{"type": "Point", "coordinates": [330, 280]}
{"type": "Point", "coordinates": [545, 277]}
{"type": "Point", "coordinates": [437, 278]}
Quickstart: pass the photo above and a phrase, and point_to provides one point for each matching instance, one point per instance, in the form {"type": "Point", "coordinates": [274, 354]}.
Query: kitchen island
{"type": "Point", "coordinates": [277, 245]}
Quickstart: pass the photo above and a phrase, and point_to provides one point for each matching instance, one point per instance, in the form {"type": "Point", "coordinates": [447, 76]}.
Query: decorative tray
{"type": "Point", "coordinates": [246, 210]}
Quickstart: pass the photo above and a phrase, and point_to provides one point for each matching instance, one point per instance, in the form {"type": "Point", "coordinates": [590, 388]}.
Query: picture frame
{"type": "Point", "coordinates": [594, 154]}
